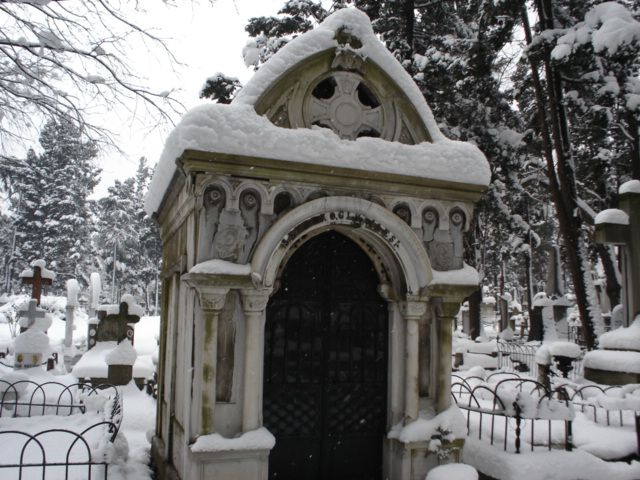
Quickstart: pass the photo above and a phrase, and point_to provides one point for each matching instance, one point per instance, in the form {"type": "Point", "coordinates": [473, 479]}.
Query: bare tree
{"type": "Point", "coordinates": [65, 58]}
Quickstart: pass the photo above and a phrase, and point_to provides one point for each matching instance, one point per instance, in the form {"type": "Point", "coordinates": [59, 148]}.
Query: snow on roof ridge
{"type": "Point", "coordinates": [233, 129]}
{"type": "Point", "coordinates": [322, 38]}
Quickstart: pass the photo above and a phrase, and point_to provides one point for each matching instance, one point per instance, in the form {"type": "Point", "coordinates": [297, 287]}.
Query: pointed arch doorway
{"type": "Point", "coordinates": [325, 365]}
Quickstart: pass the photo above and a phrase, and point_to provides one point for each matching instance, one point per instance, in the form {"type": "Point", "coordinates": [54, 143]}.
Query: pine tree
{"type": "Point", "coordinates": [127, 241]}
{"type": "Point", "coordinates": [50, 201]}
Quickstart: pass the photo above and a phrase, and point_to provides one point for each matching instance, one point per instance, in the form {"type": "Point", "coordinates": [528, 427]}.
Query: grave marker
{"type": "Point", "coordinates": [115, 322]}
{"type": "Point", "coordinates": [37, 277]}
{"type": "Point", "coordinates": [621, 227]}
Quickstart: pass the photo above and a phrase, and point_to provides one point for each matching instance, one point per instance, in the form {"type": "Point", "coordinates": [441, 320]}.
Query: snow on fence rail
{"type": "Point", "coordinates": [52, 430]}
{"type": "Point", "coordinates": [612, 405]}
{"type": "Point", "coordinates": [517, 405]}
{"type": "Point", "coordinates": [520, 412]}
{"type": "Point", "coordinates": [518, 357]}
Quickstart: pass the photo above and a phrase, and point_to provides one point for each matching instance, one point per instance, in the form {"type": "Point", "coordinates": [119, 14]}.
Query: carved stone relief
{"type": "Point", "coordinates": [445, 247]}
{"type": "Point", "coordinates": [403, 212]}
{"type": "Point", "coordinates": [231, 228]}
{"type": "Point", "coordinates": [250, 210]}
{"type": "Point", "coordinates": [213, 202]}
{"type": "Point", "coordinates": [229, 240]}
{"type": "Point", "coordinates": [457, 221]}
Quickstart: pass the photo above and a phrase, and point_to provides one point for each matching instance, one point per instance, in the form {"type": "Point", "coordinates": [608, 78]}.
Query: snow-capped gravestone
{"type": "Point", "coordinates": [31, 347]}
{"type": "Point", "coordinates": [120, 363]}
{"type": "Point", "coordinates": [33, 316]}
{"type": "Point", "coordinates": [113, 331]}
{"type": "Point", "coordinates": [73, 288]}
{"type": "Point", "coordinates": [115, 322]}
{"type": "Point", "coordinates": [617, 359]}
{"type": "Point", "coordinates": [622, 227]}
{"type": "Point", "coordinates": [324, 198]}
{"type": "Point", "coordinates": [37, 276]}
{"type": "Point", "coordinates": [549, 320]}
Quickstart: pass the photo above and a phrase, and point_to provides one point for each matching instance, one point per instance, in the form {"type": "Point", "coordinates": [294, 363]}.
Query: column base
{"type": "Point", "coordinates": [412, 461]}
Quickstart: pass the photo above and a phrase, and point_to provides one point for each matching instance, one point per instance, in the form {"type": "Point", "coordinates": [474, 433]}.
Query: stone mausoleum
{"type": "Point", "coordinates": [313, 265]}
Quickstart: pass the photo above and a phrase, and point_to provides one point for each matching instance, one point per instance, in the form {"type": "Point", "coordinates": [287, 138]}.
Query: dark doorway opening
{"type": "Point", "coordinates": [325, 377]}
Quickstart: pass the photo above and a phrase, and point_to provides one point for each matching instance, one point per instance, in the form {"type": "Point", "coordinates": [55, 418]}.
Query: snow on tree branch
{"type": "Point", "coordinates": [70, 59]}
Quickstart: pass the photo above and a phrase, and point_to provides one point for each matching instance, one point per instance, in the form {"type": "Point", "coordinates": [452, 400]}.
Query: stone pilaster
{"type": "Point", "coordinates": [254, 304]}
{"type": "Point", "coordinates": [212, 300]}
{"type": "Point", "coordinates": [412, 311]}
{"type": "Point", "coordinates": [445, 311]}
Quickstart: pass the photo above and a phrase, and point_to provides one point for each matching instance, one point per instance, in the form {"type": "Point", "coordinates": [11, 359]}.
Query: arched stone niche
{"type": "Point", "coordinates": [400, 257]}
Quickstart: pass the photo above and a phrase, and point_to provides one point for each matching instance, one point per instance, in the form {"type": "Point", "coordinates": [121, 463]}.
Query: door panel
{"type": "Point", "coordinates": [326, 365]}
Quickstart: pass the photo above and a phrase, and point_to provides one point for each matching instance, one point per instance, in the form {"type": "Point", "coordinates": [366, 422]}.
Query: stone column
{"type": "Point", "coordinates": [445, 312]}
{"type": "Point", "coordinates": [211, 302]}
{"type": "Point", "coordinates": [412, 311]}
{"type": "Point", "coordinates": [254, 304]}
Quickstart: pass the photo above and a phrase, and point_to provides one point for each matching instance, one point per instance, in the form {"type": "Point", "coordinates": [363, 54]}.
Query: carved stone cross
{"type": "Point", "coordinates": [37, 280]}
{"type": "Point", "coordinates": [115, 326]}
{"type": "Point", "coordinates": [32, 313]}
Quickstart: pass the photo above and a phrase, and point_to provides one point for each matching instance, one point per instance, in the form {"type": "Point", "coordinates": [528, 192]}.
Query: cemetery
{"type": "Point", "coordinates": [316, 314]}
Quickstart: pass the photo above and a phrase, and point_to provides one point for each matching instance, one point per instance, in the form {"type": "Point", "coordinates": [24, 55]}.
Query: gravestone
{"type": "Point", "coordinates": [550, 307]}
{"type": "Point", "coordinates": [38, 276]}
{"type": "Point", "coordinates": [115, 322]}
{"type": "Point", "coordinates": [621, 227]}
{"type": "Point", "coordinates": [120, 363]}
{"type": "Point", "coordinates": [72, 303]}
{"type": "Point", "coordinates": [32, 345]}
{"type": "Point", "coordinates": [617, 359]}
{"type": "Point", "coordinates": [95, 289]}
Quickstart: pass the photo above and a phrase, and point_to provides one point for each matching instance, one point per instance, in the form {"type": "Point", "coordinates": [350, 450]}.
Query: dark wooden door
{"type": "Point", "coordinates": [325, 387]}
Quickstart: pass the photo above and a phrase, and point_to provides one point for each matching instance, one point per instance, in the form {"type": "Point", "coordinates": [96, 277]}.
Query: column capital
{"type": "Point", "coordinates": [212, 297]}
{"type": "Point", "coordinates": [446, 307]}
{"type": "Point", "coordinates": [255, 300]}
{"type": "Point", "coordinates": [413, 308]}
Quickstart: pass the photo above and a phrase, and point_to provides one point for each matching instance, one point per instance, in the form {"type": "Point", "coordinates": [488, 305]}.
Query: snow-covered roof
{"type": "Point", "coordinates": [237, 129]}
{"type": "Point", "coordinates": [322, 38]}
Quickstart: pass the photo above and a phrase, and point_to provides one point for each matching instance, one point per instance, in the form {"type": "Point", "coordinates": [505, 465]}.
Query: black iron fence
{"type": "Point", "coordinates": [513, 411]}
{"type": "Point", "coordinates": [518, 357]}
{"type": "Point", "coordinates": [34, 446]}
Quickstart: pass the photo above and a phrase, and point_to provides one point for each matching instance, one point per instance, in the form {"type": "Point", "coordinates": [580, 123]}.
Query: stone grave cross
{"type": "Point", "coordinates": [32, 314]}
{"type": "Point", "coordinates": [37, 278]}
{"type": "Point", "coordinates": [622, 227]}
{"type": "Point", "coordinates": [116, 326]}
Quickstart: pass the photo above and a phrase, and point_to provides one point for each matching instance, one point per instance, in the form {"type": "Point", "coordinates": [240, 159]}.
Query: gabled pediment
{"type": "Point", "coordinates": [340, 76]}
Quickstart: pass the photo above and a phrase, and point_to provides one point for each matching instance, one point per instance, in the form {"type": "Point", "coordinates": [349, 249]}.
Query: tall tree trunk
{"type": "Point", "coordinates": [554, 132]}
{"type": "Point", "coordinates": [408, 18]}
{"type": "Point", "coordinates": [635, 144]}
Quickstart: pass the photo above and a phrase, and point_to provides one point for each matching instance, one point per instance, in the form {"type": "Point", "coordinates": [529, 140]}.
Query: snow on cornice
{"type": "Point", "coordinates": [239, 130]}
{"type": "Point", "coordinates": [322, 38]}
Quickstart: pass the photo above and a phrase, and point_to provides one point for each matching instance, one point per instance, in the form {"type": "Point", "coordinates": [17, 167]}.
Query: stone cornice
{"type": "Point", "coordinates": [193, 161]}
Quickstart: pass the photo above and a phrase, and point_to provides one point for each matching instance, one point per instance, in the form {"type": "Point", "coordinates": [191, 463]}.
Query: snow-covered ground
{"type": "Point", "coordinates": [595, 443]}
{"type": "Point", "coordinates": [129, 455]}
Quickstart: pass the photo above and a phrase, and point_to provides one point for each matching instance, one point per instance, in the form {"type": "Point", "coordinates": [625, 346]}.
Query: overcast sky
{"type": "Point", "coordinates": [206, 39]}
